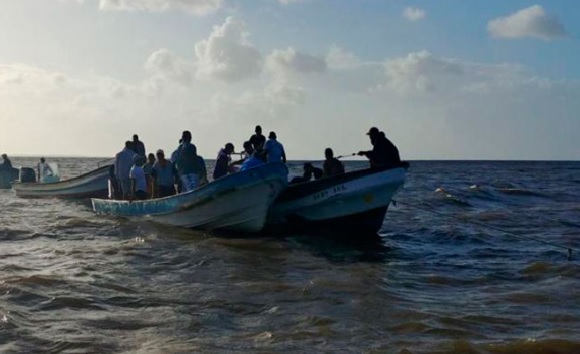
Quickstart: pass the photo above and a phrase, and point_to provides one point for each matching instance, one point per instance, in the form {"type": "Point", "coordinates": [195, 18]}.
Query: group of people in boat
{"type": "Point", "coordinates": [137, 176]}
{"type": "Point", "coordinates": [43, 169]}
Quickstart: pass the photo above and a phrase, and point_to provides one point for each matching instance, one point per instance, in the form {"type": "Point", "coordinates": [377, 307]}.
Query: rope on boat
{"type": "Point", "coordinates": [513, 234]}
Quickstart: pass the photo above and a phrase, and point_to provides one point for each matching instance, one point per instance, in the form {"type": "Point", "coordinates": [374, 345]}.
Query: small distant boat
{"type": "Point", "coordinates": [352, 203]}
{"type": "Point", "coordinates": [88, 185]}
{"type": "Point", "coordinates": [7, 176]}
{"type": "Point", "coordinates": [238, 202]}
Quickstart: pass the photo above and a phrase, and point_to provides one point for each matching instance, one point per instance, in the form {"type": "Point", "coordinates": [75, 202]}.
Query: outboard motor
{"type": "Point", "coordinates": [27, 174]}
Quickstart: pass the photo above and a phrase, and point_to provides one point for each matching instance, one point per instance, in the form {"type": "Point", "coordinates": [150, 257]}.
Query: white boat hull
{"type": "Point", "coordinates": [92, 184]}
{"type": "Point", "coordinates": [237, 202]}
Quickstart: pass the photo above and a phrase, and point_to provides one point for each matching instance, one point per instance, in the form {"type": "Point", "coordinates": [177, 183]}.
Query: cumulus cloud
{"type": "Point", "coordinates": [291, 61]}
{"type": "Point", "coordinates": [196, 7]}
{"type": "Point", "coordinates": [227, 54]}
{"type": "Point", "coordinates": [414, 14]}
{"type": "Point", "coordinates": [531, 22]}
{"type": "Point", "coordinates": [165, 65]}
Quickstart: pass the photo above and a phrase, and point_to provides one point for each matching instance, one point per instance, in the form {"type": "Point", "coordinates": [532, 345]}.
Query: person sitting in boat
{"type": "Point", "coordinates": [44, 170]}
{"type": "Point", "coordinates": [384, 152]}
{"type": "Point", "coordinates": [187, 164]}
{"type": "Point", "coordinates": [309, 172]}
{"type": "Point", "coordinates": [332, 166]}
{"type": "Point", "coordinates": [257, 140]}
{"type": "Point", "coordinates": [123, 162]}
{"type": "Point", "coordinates": [222, 164]}
{"type": "Point", "coordinates": [138, 146]}
{"type": "Point", "coordinates": [164, 175]}
{"type": "Point", "coordinates": [246, 154]}
{"type": "Point", "coordinates": [138, 180]}
{"type": "Point", "coordinates": [6, 163]}
{"type": "Point", "coordinates": [274, 150]}
{"type": "Point", "coordinates": [202, 175]}
{"type": "Point", "coordinates": [253, 161]}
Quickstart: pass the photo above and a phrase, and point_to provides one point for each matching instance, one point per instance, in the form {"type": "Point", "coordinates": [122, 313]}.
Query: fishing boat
{"type": "Point", "coordinates": [7, 176]}
{"type": "Point", "coordinates": [88, 185]}
{"type": "Point", "coordinates": [238, 202]}
{"type": "Point", "coordinates": [352, 203]}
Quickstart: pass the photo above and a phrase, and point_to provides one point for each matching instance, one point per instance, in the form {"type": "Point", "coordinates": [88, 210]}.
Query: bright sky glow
{"type": "Point", "coordinates": [449, 79]}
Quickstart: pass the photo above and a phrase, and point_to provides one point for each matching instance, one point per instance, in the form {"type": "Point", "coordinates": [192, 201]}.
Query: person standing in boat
{"type": "Point", "coordinates": [164, 175]}
{"type": "Point", "coordinates": [332, 166]}
{"type": "Point", "coordinates": [138, 146]}
{"type": "Point", "coordinates": [147, 169]}
{"type": "Point", "coordinates": [274, 150]}
{"type": "Point", "coordinates": [44, 170]}
{"type": "Point", "coordinates": [123, 163]}
{"type": "Point", "coordinates": [257, 140]}
{"type": "Point", "coordinates": [384, 152]}
{"type": "Point", "coordinates": [187, 164]}
{"type": "Point", "coordinates": [6, 163]}
{"type": "Point", "coordinates": [222, 164]}
{"type": "Point", "coordinates": [138, 179]}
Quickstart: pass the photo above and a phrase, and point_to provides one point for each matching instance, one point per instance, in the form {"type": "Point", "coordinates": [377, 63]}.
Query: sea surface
{"type": "Point", "coordinates": [443, 277]}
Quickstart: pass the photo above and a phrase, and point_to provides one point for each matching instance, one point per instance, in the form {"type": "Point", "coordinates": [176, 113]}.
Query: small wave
{"type": "Point", "coordinates": [519, 192]}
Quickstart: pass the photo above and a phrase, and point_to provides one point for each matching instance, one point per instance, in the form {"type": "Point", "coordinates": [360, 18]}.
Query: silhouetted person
{"type": "Point", "coordinates": [187, 164]}
{"type": "Point", "coordinates": [138, 179]}
{"type": "Point", "coordinates": [44, 170]}
{"type": "Point", "coordinates": [164, 176]}
{"type": "Point", "coordinates": [384, 152]}
{"type": "Point", "coordinates": [274, 150]}
{"type": "Point", "coordinates": [222, 164]}
{"type": "Point", "coordinates": [246, 154]}
{"type": "Point", "coordinates": [123, 163]}
{"type": "Point", "coordinates": [258, 140]}
{"type": "Point", "coordinates": [332, 166]}
{"type": "Point", "coordinates": [6, 163]}
{"type": "Point", "coordinates": [138, 146]}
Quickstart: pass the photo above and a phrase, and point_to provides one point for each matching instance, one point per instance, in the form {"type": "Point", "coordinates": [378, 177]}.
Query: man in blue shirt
{"type": "Point", "coordinates": [123, 163]}
{"type": "Point", "coordinates": [274, 149]}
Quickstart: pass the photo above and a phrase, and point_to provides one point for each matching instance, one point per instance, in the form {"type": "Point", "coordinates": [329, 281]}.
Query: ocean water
{"type": "Point", "coordinates": [437, 280]}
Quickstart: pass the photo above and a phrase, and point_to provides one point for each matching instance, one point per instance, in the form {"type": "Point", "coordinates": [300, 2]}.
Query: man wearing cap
{"type": "Point", "coordinates": [274, 149]}
{"type": "Point", "coordinates": [123, 163]}
{"type": "Point", "coordinates": [163, 173]}
{"type": "Point", "coordinates": [384, 152]}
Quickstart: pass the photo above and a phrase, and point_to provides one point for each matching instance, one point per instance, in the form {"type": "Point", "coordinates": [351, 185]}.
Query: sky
{"type": "Point", "coordinates": [448, 79]}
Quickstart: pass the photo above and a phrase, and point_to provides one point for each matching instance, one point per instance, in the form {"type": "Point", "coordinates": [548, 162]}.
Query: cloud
{"type": "Point", "coordinates": [414, 14]}
{"type": "Point", "coordinates": [288, 2]}
{"type": "Point", "coordinates": [196, 7]}
{"type": "Point", "coordinates": [531, 22]}
{"type": "Point", "coordinates": [289, 61]}
{"type": "Point", "coordinates": [227, 54]}
{"type": "Point", "coordinates": [165, 65]}
{"type": "Point", "coordinates": [338, 58]}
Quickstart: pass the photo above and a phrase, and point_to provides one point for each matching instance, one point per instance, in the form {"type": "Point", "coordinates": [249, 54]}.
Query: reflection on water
{"type": "Point", "coordinates": [75, 282]}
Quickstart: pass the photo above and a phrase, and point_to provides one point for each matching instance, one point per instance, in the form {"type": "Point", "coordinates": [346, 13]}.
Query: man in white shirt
{"type": "Point", "coordinates": [44, 170]}
{"type": "Point", "coordinates": [138, 180]}
{"type": "Point", "coordinates": [123, 163]}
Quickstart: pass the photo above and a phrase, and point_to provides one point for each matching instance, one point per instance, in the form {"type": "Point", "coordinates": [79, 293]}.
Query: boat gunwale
{"type": "Point", "coordinates": [188, 206]}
